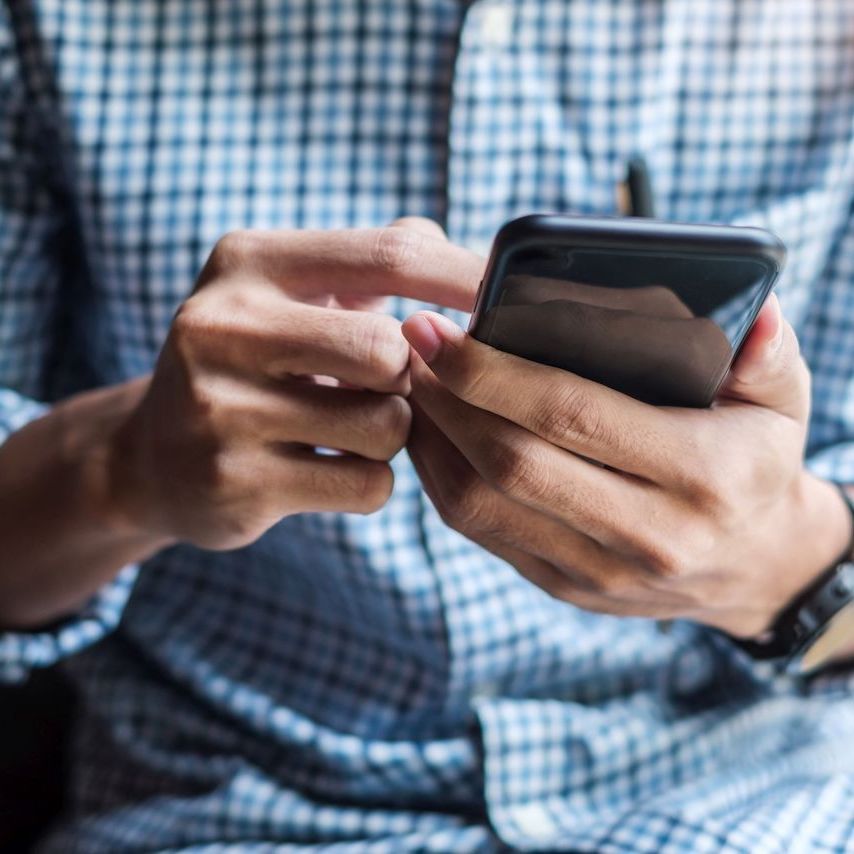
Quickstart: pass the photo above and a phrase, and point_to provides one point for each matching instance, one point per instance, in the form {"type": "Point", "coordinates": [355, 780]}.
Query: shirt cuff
{"type": "Point", "coordinates": [835, 463]}
{"type": "Point", "coordinates": [21, 652]}
{"type": "Point", "coordinates": [16, 410]}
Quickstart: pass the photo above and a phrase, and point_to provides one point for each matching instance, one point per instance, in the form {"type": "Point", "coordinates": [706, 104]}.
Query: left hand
{"type": "Point", "coordinates": [707, 515]}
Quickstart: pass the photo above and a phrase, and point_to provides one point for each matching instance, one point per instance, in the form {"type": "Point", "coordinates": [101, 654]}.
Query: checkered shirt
{"type": "Point", "coordinates": [380, 684]}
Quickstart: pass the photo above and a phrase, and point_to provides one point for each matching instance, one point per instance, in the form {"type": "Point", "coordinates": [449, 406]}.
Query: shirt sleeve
{"type": "Point", "coordinates": [828, 346]}
{"type": "Point", "coordinates": [33, 223]}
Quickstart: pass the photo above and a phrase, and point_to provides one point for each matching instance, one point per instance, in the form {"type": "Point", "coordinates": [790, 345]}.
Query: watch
{"type": "Point", "coordinates": [818, 627]}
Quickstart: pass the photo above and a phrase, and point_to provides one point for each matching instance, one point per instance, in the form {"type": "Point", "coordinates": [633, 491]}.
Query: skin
{"type": "Point", "coordinates": [280, 349]}
{"type": "Point", "coordinates": [624, 508]}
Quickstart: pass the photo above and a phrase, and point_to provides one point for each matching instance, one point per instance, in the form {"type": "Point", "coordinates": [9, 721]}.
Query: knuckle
{"type": "Point", "coordinates": [233, 250]}
{"type": "Point", "coordinates": [233, 304]}
{"type": "Point", "coordinates": [700, 484]}
{"type": "Point", "coordinates": [512, 467]}
{"type": "Point", "coordinates": [662, 559]}
{"type": "Point", "coordinates": [395, 249]}
{"type": "Point", "coordinates": [373, 487]}
{"type": "Point", "coordinates": [705, 489]}
{"type": "Point", "coordinates": [564, 590]}
{"type": "Point", "coordinates": [570, 415]}
{"type": "Point", "coordinates": [713, 494]}
{"type": "Point", "coordinates": [686, 472]}
{"type": "Point", "coordinates": [216, 473]}
{"type": "Point", "coordinates": [194, 330]}
{"type": "Point", "coordinates": [461, 503]}
{"type": "Point", "coordinates": [560, 590]}
{"type": "Point", "coordinates": [475, 516]}
{"type": "Point", "coordinates": [203, 403]}
{"type": "Point", "coordinates": [382, 347]}
{"type": "Point", "coordinates": [239, 530]}
{"type": "Point", "coordinates": [616, 584]}
{"type": "Point", "coordinates": [208, 422]}
{"type": "Point", "coordinates": [472, 381]}
{"type": "Point", "coordinates": [396, 421]}
{"type": "Point", "coordinates": [671, 543]}
{"type": "Point", "coordinates": [186, 321]}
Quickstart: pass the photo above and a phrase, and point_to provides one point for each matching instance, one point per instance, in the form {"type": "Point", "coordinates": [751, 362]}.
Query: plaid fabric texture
{"type": "Point", "coordinates": [380, 684]}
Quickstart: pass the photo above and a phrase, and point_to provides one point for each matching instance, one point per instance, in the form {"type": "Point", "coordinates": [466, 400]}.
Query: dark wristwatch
{"type": "Point", "coordinates": [818, 626]}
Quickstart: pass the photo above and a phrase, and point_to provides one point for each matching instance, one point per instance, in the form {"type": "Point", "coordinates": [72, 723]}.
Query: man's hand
{"type": "Point", "coordinates": [279, 352]}
{"type": "Point", "coordinates": [624, 508]}
{"type": "Point", "coordinates": [268, 362]}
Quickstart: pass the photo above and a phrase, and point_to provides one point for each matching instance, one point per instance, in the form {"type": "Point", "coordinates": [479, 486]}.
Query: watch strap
{"type": "Point", "coordinates": [803, 622]}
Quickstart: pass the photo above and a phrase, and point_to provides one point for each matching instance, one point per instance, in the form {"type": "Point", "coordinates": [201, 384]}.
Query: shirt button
{"type": "Point", "coordinates": [486, 691]}
{"type": "Point", "coordinates": [497, 25]}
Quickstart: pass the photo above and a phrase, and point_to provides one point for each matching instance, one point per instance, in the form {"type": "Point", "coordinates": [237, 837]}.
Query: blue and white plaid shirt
{"type": "Point", "coordinates": [381, 684]}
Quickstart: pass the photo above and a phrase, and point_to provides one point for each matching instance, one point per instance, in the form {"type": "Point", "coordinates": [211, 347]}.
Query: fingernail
{"type": "Point", "coordinates": [428, 332]}
{"type": "Point", "coordinates": [422, 337]}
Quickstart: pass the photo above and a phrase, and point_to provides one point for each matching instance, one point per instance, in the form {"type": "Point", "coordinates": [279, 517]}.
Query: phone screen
{"type": "Point", "coordinates": [663, 328]}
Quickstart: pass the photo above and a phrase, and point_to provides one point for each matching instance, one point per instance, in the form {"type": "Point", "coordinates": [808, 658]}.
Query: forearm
{"type": "Point", "coordinates": [61, 534]}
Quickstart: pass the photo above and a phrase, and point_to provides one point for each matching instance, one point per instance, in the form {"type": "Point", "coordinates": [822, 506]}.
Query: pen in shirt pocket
{"type": "Point", "coordinates": [636, 198]}
{"type": "Point", "coordinates": [635, 195]}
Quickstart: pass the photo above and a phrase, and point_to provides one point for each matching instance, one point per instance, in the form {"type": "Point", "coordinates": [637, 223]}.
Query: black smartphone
{"type": "Point", "coordinates": [656, 310]}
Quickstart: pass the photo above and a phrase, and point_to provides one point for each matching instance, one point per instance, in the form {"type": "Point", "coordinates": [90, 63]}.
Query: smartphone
{"type": "Point", "coordinates": [657, 310]}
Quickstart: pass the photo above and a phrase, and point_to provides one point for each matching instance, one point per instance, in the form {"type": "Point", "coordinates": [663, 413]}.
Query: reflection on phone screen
{"type": "Point", "coordinates": [662, 329]}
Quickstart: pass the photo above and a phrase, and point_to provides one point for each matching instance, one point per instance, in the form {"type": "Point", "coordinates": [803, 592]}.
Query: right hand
{"type": "Point", "coordinates": [223, 442]}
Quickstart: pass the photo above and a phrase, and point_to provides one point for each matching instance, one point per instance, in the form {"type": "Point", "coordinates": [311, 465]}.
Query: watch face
{"type": "Point", "coordinates": [834, 645]}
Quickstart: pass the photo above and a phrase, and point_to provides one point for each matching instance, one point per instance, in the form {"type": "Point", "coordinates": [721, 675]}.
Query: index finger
{"type": "Point", "coordinates": [391, 261]}
{"type": "Point", "coordinates": [574, 413]}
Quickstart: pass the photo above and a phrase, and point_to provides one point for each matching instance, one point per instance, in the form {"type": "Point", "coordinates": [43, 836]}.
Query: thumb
{"type": "Point", "coordinates": [769, 370]}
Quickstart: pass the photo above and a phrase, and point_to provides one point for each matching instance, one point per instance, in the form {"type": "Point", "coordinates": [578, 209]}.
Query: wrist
{"type": "Point", "coordinates": [827, 527]}
{"type": "Point", "coordinates": [96, 455]}
{"type": "Point", "coordinates": [818, 534]}
{"type": "Point", "coordinates": [64, 536]}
